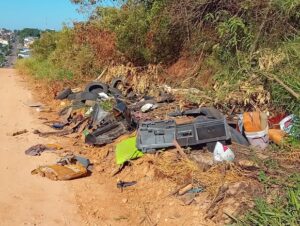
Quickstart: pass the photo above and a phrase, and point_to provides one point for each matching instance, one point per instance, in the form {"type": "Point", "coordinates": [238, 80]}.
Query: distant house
{"type": "Point", "coordinates": [28, 41]}
{"type": "Point", "coordinates": [4, 42]}
{"type": "Point", "coordinates": [23, 55]}
{"type": "Point", "coordinates": [24, 51]}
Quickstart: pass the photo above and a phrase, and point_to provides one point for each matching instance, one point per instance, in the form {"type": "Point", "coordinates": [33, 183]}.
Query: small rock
{"type": "Point", "coordinates": [124, 200]}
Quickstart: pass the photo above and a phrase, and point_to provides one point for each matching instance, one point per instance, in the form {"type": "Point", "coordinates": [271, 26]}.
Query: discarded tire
{"type": "Point", "coordinates": [116, 81]}
{"type": "Point", "coordinates": [96, 87]}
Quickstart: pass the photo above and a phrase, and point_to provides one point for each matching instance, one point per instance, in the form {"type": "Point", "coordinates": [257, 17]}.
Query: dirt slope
{"type": "Point", "coordinates": [26, 199]}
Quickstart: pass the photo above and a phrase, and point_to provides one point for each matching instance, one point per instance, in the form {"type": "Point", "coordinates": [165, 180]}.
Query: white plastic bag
{"type": "Point", "coordinates": [223, 153]}
{"type": "Point", "coordinates": [147, 107]}
{"type": "Point", "coordinates": [286, 124]}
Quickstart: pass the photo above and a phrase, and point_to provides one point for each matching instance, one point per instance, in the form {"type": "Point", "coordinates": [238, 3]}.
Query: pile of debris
{"type": "Point", "coordinates": [101, 113]}
{"type": "Point", "coordinates": [164, 125]}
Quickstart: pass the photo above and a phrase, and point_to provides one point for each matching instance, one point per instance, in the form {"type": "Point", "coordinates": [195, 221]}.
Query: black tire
{"type": "Point", "coordinates": [63, 94]}
{"type": "Point", "coordinates": [96, 87]}
{"type": "Point", "coordinates": [114, 83]}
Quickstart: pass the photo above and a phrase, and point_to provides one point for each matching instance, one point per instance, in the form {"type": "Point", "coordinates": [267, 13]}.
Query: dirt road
{"type": "Point", "coordinates": [27, 199]}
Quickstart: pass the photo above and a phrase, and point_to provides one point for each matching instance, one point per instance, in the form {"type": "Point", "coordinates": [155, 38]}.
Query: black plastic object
{"type": "Point", "coordinates": [58, 125]}
{"type": "Point", "coordinates": [156, 135]}
{"type": "Point", "coordinates": [237, 137]}
{"type": "Point", "coordinates": [202, 131]}
{"type": "Point", "coordinates": [82, 96]}
{"type": "Point", "coordinates": [96, 87]}
{"type": "Point", "coordinates": [106, 134]}
{"type": "Point", "coordinates": [206, 111]}
{"type": "Point", "coordinates": [122, 108]}
{"type": "Point", "coordinates": [63, 94]}
{"type": "Point", "coordinates": [123, 184]}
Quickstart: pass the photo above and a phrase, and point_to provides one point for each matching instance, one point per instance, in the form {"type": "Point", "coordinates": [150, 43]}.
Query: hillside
{"type": "Point", "coordinates": [237, 56]}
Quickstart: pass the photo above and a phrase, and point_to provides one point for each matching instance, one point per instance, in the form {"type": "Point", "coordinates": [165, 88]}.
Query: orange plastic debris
{"type": "Point", "coordinates": [276, 135]}
{"type": "Point", "coordinates": [254, 121]}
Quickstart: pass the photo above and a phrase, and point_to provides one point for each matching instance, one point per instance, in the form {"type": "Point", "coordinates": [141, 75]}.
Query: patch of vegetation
{"type": "Point", "coordinates": [28, 32]}
{"type": "Point", "coordinates": [284, 210]}
{"type": "Point", "coordinates": [42, 69]}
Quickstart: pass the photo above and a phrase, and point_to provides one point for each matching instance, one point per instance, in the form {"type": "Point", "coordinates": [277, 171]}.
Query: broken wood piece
{"type": "Point", "coordinates": [274, 77]}
{"type": "Point", "coordinates": [56, 133]}
{"type": "Point", "coordinates": [179, 149]}
{"type": "Point", "coordinates": [19, 132]}
{"type": "Point", "coordinates": [34, 105]}
{"type": "Point", "coordinates": [102, 73]}
{"type": "Point", "coordinates": [185, 189]}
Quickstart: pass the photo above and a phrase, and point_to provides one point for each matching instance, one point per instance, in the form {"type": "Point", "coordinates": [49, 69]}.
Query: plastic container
{"type": "Point", "coordinates": [202, 131]}
{"type": "Point", "coordinates": [259, 139]}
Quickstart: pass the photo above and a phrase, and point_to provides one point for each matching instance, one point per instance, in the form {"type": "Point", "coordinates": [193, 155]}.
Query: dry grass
{"type": "Point", "coordinates": [180, 170]}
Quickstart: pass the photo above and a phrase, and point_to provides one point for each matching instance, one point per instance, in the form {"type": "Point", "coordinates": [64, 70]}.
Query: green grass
{"type": "Point", "coordinates": [42, 69]}
{"type": "Point", "coordinates": [284, 210]}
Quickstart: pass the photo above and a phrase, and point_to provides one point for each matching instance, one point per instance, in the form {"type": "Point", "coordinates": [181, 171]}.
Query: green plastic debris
{"type": "Point", "coordinates": [126, 150]}
{"type": "Point", "coordinates": [85, 132]}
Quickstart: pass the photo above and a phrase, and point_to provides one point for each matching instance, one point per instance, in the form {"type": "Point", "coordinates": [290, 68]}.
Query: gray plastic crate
{"type": "Point", "coordinates": [202, 131]}
{"type": "Point", "coordinates": [156, 135]}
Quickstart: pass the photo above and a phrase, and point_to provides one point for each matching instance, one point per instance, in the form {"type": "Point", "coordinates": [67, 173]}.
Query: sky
{"type": "Point", "coordinates": [42, 14]}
